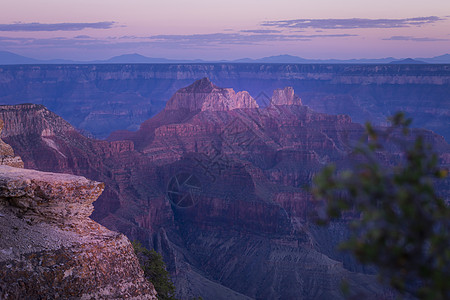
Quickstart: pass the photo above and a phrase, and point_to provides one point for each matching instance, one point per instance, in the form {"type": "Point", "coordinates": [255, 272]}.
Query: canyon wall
{"type": "Point", "coordinates": [218, 188]}
{"type": "Point", "coordinates": [99, 99]}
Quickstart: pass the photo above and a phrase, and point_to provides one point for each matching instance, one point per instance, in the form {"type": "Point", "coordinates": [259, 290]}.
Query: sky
{"type": "Point", "coordinates": [227, 29]}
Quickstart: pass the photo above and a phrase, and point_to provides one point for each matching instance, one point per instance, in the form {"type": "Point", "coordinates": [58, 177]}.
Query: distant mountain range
{"type": "Point", "coordinates": [408, 61]}
{"type": "Point", "coordinates": [9, 58]}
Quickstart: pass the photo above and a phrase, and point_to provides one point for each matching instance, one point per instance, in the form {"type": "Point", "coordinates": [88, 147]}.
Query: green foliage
{"type": "Point", "coordinates": [401, 225]}
{"type": "Point", "coordinates": [155, 271]}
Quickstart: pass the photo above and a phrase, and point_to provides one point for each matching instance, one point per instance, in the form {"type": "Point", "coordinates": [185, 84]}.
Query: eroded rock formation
{"type": "Point", "coordinates": [50, 248]}
{"type": "Point", "coordinates": [204, 95]}
{"type": "Point", "coordinates": [248, 231]}
{"type": "Point", "coordinates": [7, 156]}
{"type": "Point", "coordinates": [285, 96]}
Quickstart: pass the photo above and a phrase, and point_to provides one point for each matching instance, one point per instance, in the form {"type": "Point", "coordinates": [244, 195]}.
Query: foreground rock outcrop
{"type": "Point", "coordinates": [7, 156]}
{"type": "Point", "coordinates": [49, 248]}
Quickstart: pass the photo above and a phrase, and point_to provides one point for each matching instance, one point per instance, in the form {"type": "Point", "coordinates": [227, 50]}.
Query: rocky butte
{"type": "Point", "coordinates": [215, 183]}
{"type": "Point", "coordinates": [50, 248]}
{"type": "Point", "coordinates": [204, 96]}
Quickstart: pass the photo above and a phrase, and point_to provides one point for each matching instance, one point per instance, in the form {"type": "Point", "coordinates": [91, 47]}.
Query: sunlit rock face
{"type": "Point", "coordinates": [203, 95]}
{"type": "Point", "coordinates": [285, 96]}
{"type": "Point", "coordinates": [7, 156]}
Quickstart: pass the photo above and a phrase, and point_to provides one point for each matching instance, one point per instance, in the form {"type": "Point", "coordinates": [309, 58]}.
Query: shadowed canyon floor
{"type": "Point", "coordinates": [216, 183]}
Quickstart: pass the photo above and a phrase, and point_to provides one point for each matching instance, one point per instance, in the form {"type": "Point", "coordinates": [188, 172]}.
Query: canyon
{"type": "Point", "coordinates": [99, 99]}
{"type": "Point", "coordinates": [216, 181]}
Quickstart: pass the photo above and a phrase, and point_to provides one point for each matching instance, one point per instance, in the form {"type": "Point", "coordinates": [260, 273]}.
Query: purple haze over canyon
{"type": "Point", "coordinates": [213, 30]}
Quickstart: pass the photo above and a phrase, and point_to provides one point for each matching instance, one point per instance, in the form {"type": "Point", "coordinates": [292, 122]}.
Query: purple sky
{"type": "Point", "coordinates": [190, 29]}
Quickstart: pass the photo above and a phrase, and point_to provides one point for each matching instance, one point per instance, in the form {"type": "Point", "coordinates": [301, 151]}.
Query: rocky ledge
{"type": "Point", "coordinates": [7, 156]}
{"type": "Point", "coordinates": [50, 249]}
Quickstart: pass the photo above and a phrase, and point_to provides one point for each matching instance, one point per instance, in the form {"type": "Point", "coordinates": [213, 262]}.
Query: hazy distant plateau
{"type": "Point", "coordinates": [99, 99]}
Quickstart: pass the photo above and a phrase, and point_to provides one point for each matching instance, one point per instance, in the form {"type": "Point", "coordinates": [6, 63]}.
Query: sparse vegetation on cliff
{"type": "Point", "coordinates": [403, 224]}
{"type": "Point", "coordinates": [155, 271]}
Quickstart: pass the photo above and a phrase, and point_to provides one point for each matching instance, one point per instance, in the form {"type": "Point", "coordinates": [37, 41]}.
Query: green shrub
{"type": "Point", "coordinates": [155, 271]}
{"type": "Point", "coordinates": [401, 226]}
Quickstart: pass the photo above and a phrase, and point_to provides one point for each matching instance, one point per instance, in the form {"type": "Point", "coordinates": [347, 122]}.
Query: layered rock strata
{"type": "Point", "coordinates": [246, 229]}
{"type": "Point", "coordinates": [108, 97]}
{"type": "Point", "coordinates": [7, 156]}
{"type": "Point", "coordinates": [50, 248]}
{"type": "Point", "coordinates": [204, 95]}
{"type": "Point", "coordinates": [285, 96]}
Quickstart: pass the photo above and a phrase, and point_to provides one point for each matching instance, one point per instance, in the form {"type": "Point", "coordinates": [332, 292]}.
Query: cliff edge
{"type": "Point", "coordinates": [7, 156]}
{"type": "Point", "coordinates": [50, 248]}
